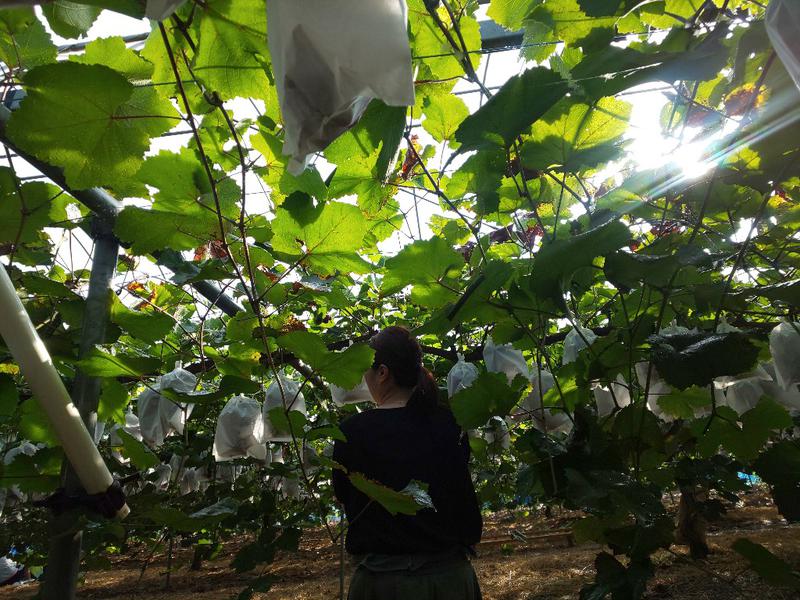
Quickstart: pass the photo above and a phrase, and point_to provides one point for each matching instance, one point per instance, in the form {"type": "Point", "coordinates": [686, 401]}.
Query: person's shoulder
{"type": "Point", "coordinates": [442, 415]}
{"type": "Point", "coordinates": [356, 422]}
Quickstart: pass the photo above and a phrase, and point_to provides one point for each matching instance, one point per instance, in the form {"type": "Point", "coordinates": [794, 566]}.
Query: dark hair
{"type": "Point", "coordinates": [396, 348]}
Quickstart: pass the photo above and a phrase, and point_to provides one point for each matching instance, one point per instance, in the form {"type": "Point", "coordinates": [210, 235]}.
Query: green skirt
{"type": "Point", "coordinates": [445, 576]}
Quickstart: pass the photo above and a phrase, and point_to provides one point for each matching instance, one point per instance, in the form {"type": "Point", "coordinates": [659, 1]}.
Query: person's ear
{"type": "Point", "coordinates": [383, 373]}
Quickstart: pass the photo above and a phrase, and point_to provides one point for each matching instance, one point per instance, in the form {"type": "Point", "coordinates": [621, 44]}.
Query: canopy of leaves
{"type": "Point", "coordinates": [506, 202]}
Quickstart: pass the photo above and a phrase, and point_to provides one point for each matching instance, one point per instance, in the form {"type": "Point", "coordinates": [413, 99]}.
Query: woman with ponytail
{"type": "Point", "coordinates": [408, 436]}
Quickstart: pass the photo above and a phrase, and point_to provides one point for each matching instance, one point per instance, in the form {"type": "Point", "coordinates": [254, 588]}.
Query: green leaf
{"type": "Point", "coordinates": [132, 8]}
{"type": "Point", "coordinates": [27, 209]}
{"type": "Point", "coordinates": [571, 25]}
{"type": "Point", "coordinates": [432, 48]}
{"type": "Point", "coordinates": [684, 404]}
{"type": "Point", "coordinates": [443, 114]}
{"type": "Point", "coordinates": [102, 364]}
{"type": "Point", "coordinates": [769, 567]}
{"type": "Point", "coordinates": [24, 43]}
{"type": "Point", "coordinates": [44, 286]}
{"type": "Point", "coordinates": [393, 501]}
{"type": "Point", "coordinates": [482, 175]}
{"type": "Point", "coordinates": [577, 135]}
{"type": "Point", "coordinates": [70, 19]}
{"type": "Point", "coordinates": [150, 230]}
{"type": "Point", "coordinates": [344, 369]}
{"type": "Point", "coordinates": [140, 455]}
{"type": "Point", "coordinates": [325, 237]}
{"type": "Point", "coordinates": [281, 182]}
{"type": "Point", "coordinates": [614, 69]}
{"type": "Point", "coordinates": [329, 432]}
{"type": "Point", "coordinates": [9, 396]}
{"type": "Point", "coordinates": [39, 473]}
{"type": "Point", "coordinates": [510, 13]}
{"type": "Point", "coordinates": [89, 120]}
{"type": "Point", "coordinates": [232, 49]}
{"type": "Point", "coordinates": [556, 262]}
{"type": "Point", "coordinates": [520, 102]}
{"type": "Point", "coordinates": [35, 425]}
{"type": "Point", "coordinates": [489, 396]}
{"type": "Point", "coordinates": [779, 466]}
{"type": "Point", "coordinates": [286, 425]}
{"type": "Point", "coordinates": [431, 266]}
{"type": "Point", "coordinates": [374, 140]}
{"type": "Point", "coordinates": [788, 292]}
{"type": "Point", "coordinates": [179, 521]}
{"type": "Point", "coordinates": [148, 325]}
{"type": "Point", "coordinates": [113, 53]}
{"type": "Point", "coordinates": [599, 8]}
{"type": "Point", "coordinates": [761, 421]}
{"type": "Point", "coordinates": [113, 400]}
{"type": "Point", "coordinates": [699, 358]}
{"type": "Point", "coordinates": [184, 212]}
{"type": "Point", "coordinates": [626, 270]}
{"type": "Point", "coordinates": [183, 187]}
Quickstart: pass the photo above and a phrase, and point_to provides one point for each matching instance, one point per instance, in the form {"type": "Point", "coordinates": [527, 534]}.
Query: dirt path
{"type": "Point", "coordinates": [509, 567]}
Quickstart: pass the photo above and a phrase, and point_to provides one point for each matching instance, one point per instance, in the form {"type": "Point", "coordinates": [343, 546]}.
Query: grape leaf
{"type": "Point", "coordinates": [443, 115]}
{"type": "Point", "coordinates": [149, 230]}
{"type": "Point", "coordinates": [510, 13]}
{"type": "Point", "coordinates": [70, 19]}
{"type": "Point", "coordinates": [520, 102]}
{"type": "Point", "coordinates": [769, 567]}
{"type": "Point", "coordinates": [779, 466]}
{"type": "Point", "coordinates": [326, 236]}
{"type": "Point", "coordinates": [24, 43]}
{"type": "Point", "coordinates": [148, 325]}
{"type": "Point", "coordinates": [114, 398]}
{"type": "Point", "coordinates": [577, 135]}
{"type": "Point", "coordinates": [433, 49]}
{"type": "Point", "coordinates": [9, 396]}
{"type": "Point", "coordinates": [232, 50]}
{"type": "Point", "coordinates": [113, 53]}
{"type": "Point", "coordinates": [89, 120]}
{"type": "Point", "coordinates": [102, 364]}
{"type": "Point", "coordinates": [556, 262]}
{"type": "Point", "coordinates": [430, 266]}
{"type": "Point", "coordinates": [26, 209]}
{"type": "Point", "coordinates": [393, 501]}
{"type": "Point", "coordinates": [140, 455]}
{"type": "Point", "coordinates": [490, 395]}
{"type": "Point", "coordinates": [481, 174]}
{"type": "Point", "coordinates": [344, 369]}
{"type": "Point", "coordinates": [698, 358]}
{"type": "Point", "coordinates": [281, 182]}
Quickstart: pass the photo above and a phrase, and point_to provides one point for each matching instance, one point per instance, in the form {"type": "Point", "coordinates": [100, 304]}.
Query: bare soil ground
{"type": "Point", "coordinates": [518, 560]}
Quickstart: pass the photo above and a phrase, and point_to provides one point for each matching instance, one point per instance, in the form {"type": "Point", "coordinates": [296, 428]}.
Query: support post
{"type": "Point", "coordinates": [64, 556]}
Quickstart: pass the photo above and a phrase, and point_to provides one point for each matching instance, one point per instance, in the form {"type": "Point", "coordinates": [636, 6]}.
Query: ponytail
{"type": "Point", "coordinates": [425, 397]}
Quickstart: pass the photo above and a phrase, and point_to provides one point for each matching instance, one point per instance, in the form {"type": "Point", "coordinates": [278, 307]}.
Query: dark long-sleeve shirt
{"type": "Point", "coordinates": [394, 446]}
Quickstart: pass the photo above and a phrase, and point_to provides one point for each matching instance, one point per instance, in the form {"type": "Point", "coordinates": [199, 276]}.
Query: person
{"type": "Point", "coordinates": [408, 436]}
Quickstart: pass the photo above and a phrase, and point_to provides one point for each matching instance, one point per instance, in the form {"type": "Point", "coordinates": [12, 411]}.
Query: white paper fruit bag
{"type": "Point", "coordinates": [240, 430]}
{"type": "Point", "coordinates": [329, 59]}
{"type": "Point", "coordinates": [341, 396]}
{"type": "Point", "coordinates": [504, 359]}
{"type": "Point", "coordinates": [291, 398]}
{"type": "Point", "coordinates": [461, 376]}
